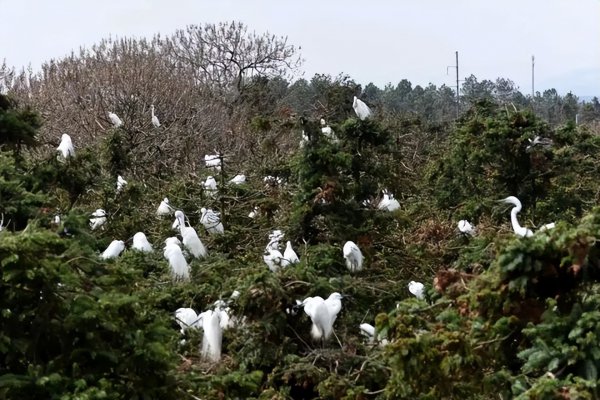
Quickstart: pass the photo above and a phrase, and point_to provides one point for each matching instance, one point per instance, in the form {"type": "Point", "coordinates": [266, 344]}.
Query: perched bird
{"type": "Point", "coordinates": [323, 314]}
{"type": "Point", "coordinates": [180, 270]}
{"type": "Point", "coordinates": [353, 256]}
{"type": "Point", "coordinates": [187, 319]}
{"type": "Point", "coordinates": [388, 202]}
{"type": "Point", "coordinates": [213, 335]}
{"type": "Point", "coordinates": [141, 243]}
{"type": "Point", "coordinates": [116, 121]}
{"type": "Point", "coordinates": [327, 131]}
{"type": "Point", "coordinates": [191, 241]}
{"type": "Point", "coordinates": [289, 255]}
{"type": "Point", "coordinates": [113, 250]}
{"type": "Point", "coordinates": [66, 146]}
{"type": "Point", "coordinates": [540, 142]}
{"type": "Point", "coordinates": [211, 221]}
{"type": "Point", "coordinates": [98, 219]}
{"type": "Point", "coordinates": [465, 227]}
{"type": "Point", "coordinates": [361, 109]}
{"type": "Point", "coordinates": [210, 186]}
{"type": "Point", "coordinates": [164, 208]}
{"type": "Point", "coordinates": [417, 289]}
{"type": "Point", "coordinates": [368, 330]}
{"type": "Point", "coordinates": [120, 183]}
{"type": "Point", "coordinates": [305, 139]}
{"type": "Point", "coordinates": [238, 179]}
{"type": "Point", "coordinates": [213, 161]}
{"type": "Point", "coordinates": [273, 258]}
{"type": "Point", "coordinates": [272, 181]}
{"type": "Point", "coordinates": [519, 230]}
{"type": "Point", "coordinates": [253, 213]}
{"type": "Point", "coordinates": [155, 121]}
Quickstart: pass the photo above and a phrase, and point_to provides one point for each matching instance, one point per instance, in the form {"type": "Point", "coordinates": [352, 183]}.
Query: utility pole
{"type": "Point", "coordinates": [457, 86]}
{"type": "Point", "coordinates": [532, 77]}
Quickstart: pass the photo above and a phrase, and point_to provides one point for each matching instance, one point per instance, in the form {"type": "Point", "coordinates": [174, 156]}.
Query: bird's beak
{"type": "Point", "coordinates": [129, 240]}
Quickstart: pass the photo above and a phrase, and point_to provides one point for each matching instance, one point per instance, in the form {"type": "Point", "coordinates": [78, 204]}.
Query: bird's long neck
{"type": "Point", "coordinates": [152, 111]}
{"type": "Point", "coordinates": [513, 219]}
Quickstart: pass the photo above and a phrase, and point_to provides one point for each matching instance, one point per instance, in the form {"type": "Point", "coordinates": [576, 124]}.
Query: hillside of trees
{"type": "Point", "coordinates": [502, 316]}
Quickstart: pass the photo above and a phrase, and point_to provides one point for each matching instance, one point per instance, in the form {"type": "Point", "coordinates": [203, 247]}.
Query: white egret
{"type": "Point", "coordinates": [388, 202]}
{"type": "Point", "coordinates": [190, 238]}
{"type": "Point", "coordinates": [353, 256]}
{"type": "Point", "coordinates": [211, 221]}
{"type": "Point", "coordinates": [273, 258]}
{"type": "Point", "coordinates": [56, 220]}
{"type": "Point", "coordinates": [155, 121]}
{"type": "Point", "coordinates": [289, 255]}
{"type": "Point", "coordinates": [238, 179]}
{"type": "Point", "coordinates": [210, 186]}
{"type": "Point", "coordinates": [116, 121]}
{"type": "Point", "coordinates": [361, 109]}
{"type": "Point", "coordinates": [113, 250]}
{"type": "Point", "coordinates": [305, 139]}
{"type": "Point", "coordinates": [164, 208]}
{"type": "Point", "coordinates": [173, 240]}
{"type": "Point", "coordinates": [213, 335]}
{"type": "Point", "coordinates": [272, 181]}
{"type": "Point", "coordinates": [120, 183]}
{"type": "Point", "coordinates": [186, 318]}
{"type": "Point", "coordinates": [141, 243]}
{"type": "Point", "coordinates": [368, 330]}
{"type": "Point", "coordinates": [519, 230]}
{"type": "Point", "coordinates": [417, 289]}
{"type": "Point", "coordinates": [465, 227]}
{"type": "Point", "coordinates": [98, 219]}
{"type": "Point", "coordinates": [323, 314]}
{"type": "Point", "coordinates": [66, 146]}
{"type": "Point", "coordinates": [253, 213]}
{"type": "Point", "coordinates": [213, 161]}
{"type": "Point", "coordinates": [327, 131]}
{"type": "Point", "coordinates": [538, 141]}
{"type": "Point", "coordinates": [180, 270]}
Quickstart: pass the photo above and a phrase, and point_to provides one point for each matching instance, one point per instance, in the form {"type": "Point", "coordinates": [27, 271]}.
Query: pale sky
{"type": "Point", "coordinates": [372, 41]}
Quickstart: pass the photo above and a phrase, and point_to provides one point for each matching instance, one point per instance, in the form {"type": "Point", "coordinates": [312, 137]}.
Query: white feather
{"type": "Point", "coordinates": [141, 243]}
{"type": "Point", "coordinates": [113, 250]}
{"type": "Point", "coordinates": [353, 256]}
{"type": "Point", "coordinates": [66, 146]}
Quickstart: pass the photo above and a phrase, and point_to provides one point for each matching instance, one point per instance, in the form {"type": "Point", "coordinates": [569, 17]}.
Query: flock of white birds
{"type": "Point", "coordinates": [322, 312]}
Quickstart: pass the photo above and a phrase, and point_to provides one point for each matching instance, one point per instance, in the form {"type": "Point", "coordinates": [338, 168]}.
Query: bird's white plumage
{"type": "Point", "coordinates": [211, 221]}
{"type": "Point", "coordinates": [187, 319]}
{"type": "Point", "coordinates": [238, 179]}
{"type": "Point", "coordinates": [368, 330]}
{"type": "Point", "coordinates": [141, 243]}
{"type": "Point", "coordinates": [361, 109]}
{"type": "Point", "coordinates": [191, 241]}
{"type": "Point", "coordinates": [213, 161]}
{"type": "Point", "coordinates": [388, 202]}
{"type": "Point", "coordinates": [305, 139]}
{"type": "Point", "coordinates": [66, 146]}
{"type": "Point", "coordinates": [417, 289]}
{"type": "Point", "coordinates": [164, 208]}
{"type": "Point", "coordinates": [517, 228]}
{"type": "Point", "coordinates": [253, 213]}
{"type": "Point", "coordinates": [323, 314]}
{"type": "Point", "coordinates": [113, 250]}
{"type": "Point", "coordinates": [154, 118]}
{"type": "Point", "coordinates": [120, 183]}
{"type": "Point", "coordinates": [98, 219]}
{"type": "Point", "coordinates": [289, 255]}
{"type": "Point", "coordinates": [210, 186]}
{"type": "Point", "coordinates": [114, 118]}
{"type": "Point", "coordinates": [180, 270]}
{"type": "Point", "coordinates": [353, 256]}
{"type": "Point", "coordinates": [213, 335]}
{"type": "Point", "coordinates": [465, 227]}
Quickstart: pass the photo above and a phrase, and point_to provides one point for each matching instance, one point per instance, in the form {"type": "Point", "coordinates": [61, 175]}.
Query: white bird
{"type": "Point", "coordinates": [238, 179]}
{"type": "Point", "coordinates": [155, 121]}
{"type": "Point", "coordinates": [164, 208]}
{"type": "Point", "coordinates": [327, 131]}
{"type": "Point", "coordinates": [361, 109]}
{"type": "Point", "coordinates": [213, 335]}
{"type": "Point", "coordinates": [388, 202]}
{"type": "Point", "coordinates": [120, 183]}
{"type": "Point", "coordinates": [273, 258]}
{"type": "Point", "coordinates": [180, 270]}
{"type": "Point", "coordinates": [113, 250]}
{"type": "Point", "coordinates": [353, 256]}
{"type": "Point", "coordinates": [141, 243]}
{"type": "Point", "coordinates": [368, 330]}
{"type": "Point", "coordinates": [213, 161]}
{"type": "Point", "coordinates": [519, 230]}
{"type": "Point", "coordinates": [211, 221]}
{"type": "Point", "coordinates": [253, 213]}
{"type": "Point", "coordinates": [305, 139]}
{"type": "Point", "coordinates": [56, 219]}
{"type": "Point", "coordinates": [210, 185]}
{"type": "Point", "coordinates": [190, 238]}
{"type": "Point", "coordinates": [289, 255]}
{"type": "Point", "coordinates": [116, 121]}
{"type": "Point", "coordinates": [98, 219]}
{"type": "Point", "coordinates": [465, 227]}
{"type": "Point", "coordinates": [173, 240]}
{"type": "Point", "coordinates": [272, 181]}
{"type": "Point", "coordinates": [539, 141]}
{"type": "Point", "coordinates": [66, 146]}
{"type": "Point", "coordinates": [417, 289]}
{"type": "Point", "coordinates": [323, 314]}
{"type": "Point", "coordinates": [187, 319]}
